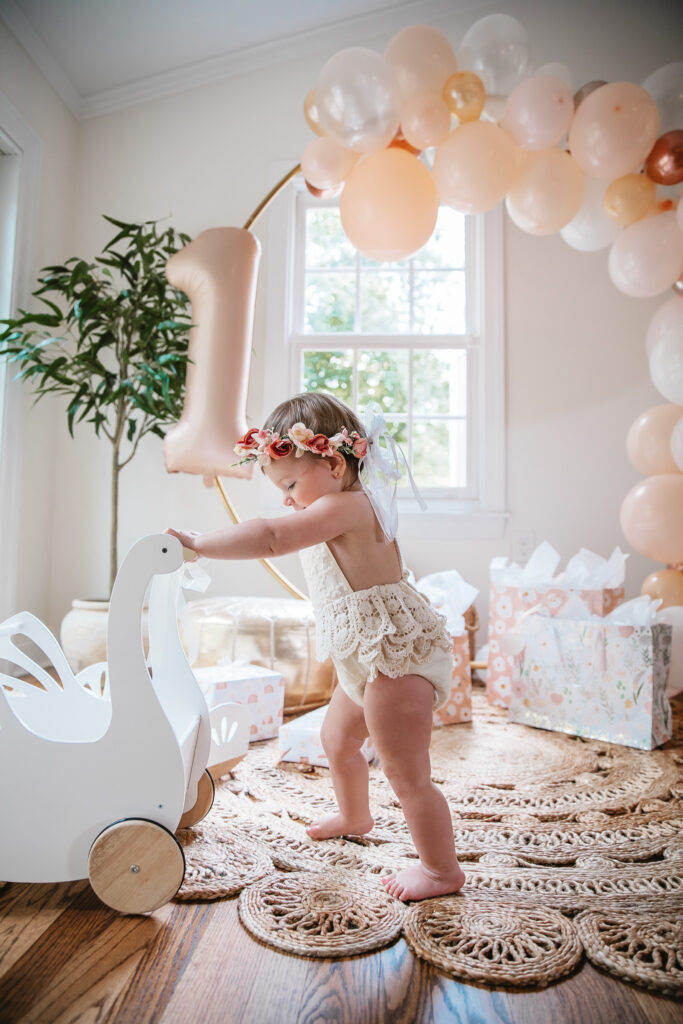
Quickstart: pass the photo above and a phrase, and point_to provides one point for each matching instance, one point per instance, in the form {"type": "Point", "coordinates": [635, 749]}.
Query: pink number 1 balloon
{"type": "Point", "coordinates": [218, 272]}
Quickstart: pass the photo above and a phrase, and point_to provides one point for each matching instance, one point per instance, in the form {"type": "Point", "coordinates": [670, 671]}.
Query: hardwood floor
{"type": "Point", "coordinates": [64, 957]}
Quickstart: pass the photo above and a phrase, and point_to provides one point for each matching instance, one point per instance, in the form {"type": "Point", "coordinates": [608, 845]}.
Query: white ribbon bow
{"type": "Point", "coordinates": [381, 469]}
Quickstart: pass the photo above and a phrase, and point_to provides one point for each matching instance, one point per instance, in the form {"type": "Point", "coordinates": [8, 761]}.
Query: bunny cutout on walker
{"type": "Point", "coordinates": [94, 786]}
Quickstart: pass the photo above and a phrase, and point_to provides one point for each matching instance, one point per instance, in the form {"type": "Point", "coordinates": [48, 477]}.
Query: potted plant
{"type": "Point", "coordinates": [112, 338]}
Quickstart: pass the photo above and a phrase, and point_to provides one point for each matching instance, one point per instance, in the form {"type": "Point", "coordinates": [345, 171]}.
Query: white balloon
{"type": "Point", "coordinates": [677, 444]}
{"type": "Point", "coordinates": [555, 70]}
{"type": "Point", "coordinates": [666, 368]}
{"type": "Point", "coordinates": [674, 616]}
{"type": "Point", "coordinates": [591, 229]}
{"type": "Point", "coordinates": [665, 85]}
{"type": "Point", "coordinates": [497, 49]}
{"type": "Point", "coordinates": [647, 257]}
{"type": "Point", "coordinates": [667, 320]}
{"type": "Point", "coordinates": [358, 99]}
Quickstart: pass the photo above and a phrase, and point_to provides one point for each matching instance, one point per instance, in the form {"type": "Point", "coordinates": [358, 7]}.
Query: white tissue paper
{"type": "Point", "coordinates": [451, 595]}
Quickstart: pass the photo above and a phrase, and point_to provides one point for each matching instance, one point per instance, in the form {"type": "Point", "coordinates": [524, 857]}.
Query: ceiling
{"type": "Point", "coordinates": [102, 55]}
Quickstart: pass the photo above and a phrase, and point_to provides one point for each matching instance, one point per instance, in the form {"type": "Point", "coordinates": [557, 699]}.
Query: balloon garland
{"type": "Point", "coordinates": [400, 132]}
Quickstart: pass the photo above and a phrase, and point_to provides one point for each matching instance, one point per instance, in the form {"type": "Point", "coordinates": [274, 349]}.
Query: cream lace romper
{"type": "Point", "coordinates": [390, 628]}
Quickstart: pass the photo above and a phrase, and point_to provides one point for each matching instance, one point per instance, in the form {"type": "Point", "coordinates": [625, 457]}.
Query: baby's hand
{"type": "Point", "coordinates": [188, 538]}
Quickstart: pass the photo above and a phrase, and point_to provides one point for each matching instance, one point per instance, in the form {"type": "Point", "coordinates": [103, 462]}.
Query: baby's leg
{"type": "Point", "coordinates": [342, 736]}
{"type": "Point", "coordinates": [399, 716]}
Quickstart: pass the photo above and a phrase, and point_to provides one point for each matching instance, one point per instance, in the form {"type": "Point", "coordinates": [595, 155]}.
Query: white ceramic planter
{"type": "Point", "coordinates": [83, 633]}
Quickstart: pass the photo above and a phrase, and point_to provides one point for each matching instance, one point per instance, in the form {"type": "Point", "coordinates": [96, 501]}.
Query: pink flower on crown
{"type": "Point", "coordinates": [279, 447]}
{"type": "Point", "coordinates": [249, 442]}
{"type": "Point", "coordinates": [360, 447]}
{"type": "Point", "coordinates": [319, 444]}
{"type": "Point", "coordinates": [300, 435]}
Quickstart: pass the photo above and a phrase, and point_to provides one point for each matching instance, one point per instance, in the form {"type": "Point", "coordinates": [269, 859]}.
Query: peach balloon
{"type": "Point", "coordinates": [648, 442]}
{"type": "Point", "coordinates": [311, 114]}
{"type": "Point", "coordinates": [218, 272]}
{"type": "Point", "coordinates": [421, 58]}
{"type": "Point", "coordinates": [666, 584]}
{"type": "Point", "coordinates": [630, 198]}
{"type": "Point", "coordinates": [389, 205]}
{"type": "Point", "coordinates": [548, 193]}
{"type": "Point", "coordinates": [677, 442]}
{"type": "Point", "coordinates": [475, 166]}
{"type": "Point", "coordinates": [647, 257]}
{"type": "Point", "coordinates": [668, 320]}
{"type": "Point", "coordinates": [651, 517]}
{"type": "Point", "coordinates": [538, 112]}
{"type": "Point", "coordinates": [464, 95]}
{"type": "Point", "coordinates": [614, 129]}
{"type": "Point", "coordinates": [425, 120]}
{"type": "Point", "coordinates": [325, 164]}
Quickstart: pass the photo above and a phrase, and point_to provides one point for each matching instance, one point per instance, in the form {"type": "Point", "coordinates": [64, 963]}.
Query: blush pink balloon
{"type": "Point", "coordinates": [389, 205]}
{"type": "Point", "coordinates": [614, 129]}
{"type": "Point", "coordinates": [325, 163]}
{"type": "Point", "coordinates": [648, 441]}
{"type": "Point", "coordinates": [538, 112]}
{"type": "Point", "coordinates": [677, 442]}
{"type": "Point", "coordinates": [425, 120]}
{"type": "Point", "coordinates": [548, 193]}
{"type": "Point", "coordinates": [651, 517]}
{"type": "Point", "coordinates": [667, 320]}
{"type": "Point", "coordinates": [218, 272]}
{"type": "Point", "coordinates": [647, 257]}
{"type": "Point", "coordinates": [475, 166]}
{"type": "Point", "coordinates": [422, 60]}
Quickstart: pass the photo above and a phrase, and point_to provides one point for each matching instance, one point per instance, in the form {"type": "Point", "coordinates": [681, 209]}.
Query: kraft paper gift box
{"type": "Point", "coordinates": [603, 678]}
{"type": "Point", "coordinates": [598, 583]}
{"type": "Point", "coordinates": [450, 595]}
{"type": "Point", "coordinates": [300, 740]}
{"type": "Point", "coordinates": [261, 689]}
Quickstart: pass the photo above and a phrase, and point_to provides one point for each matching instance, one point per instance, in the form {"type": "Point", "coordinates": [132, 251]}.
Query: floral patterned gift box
{"type": "Point", "coordinates": [261, 689]}
{"type": "Point", "coordinates": [597, 582]}
{"type": "Point", "coordinates": [596, 678]}
{"type": "Point", "coordinates": [451, 595]}
{"type": "Point", "coordinates": [458, 707]}
{"type": "Point", "coordinates": [300, 740]}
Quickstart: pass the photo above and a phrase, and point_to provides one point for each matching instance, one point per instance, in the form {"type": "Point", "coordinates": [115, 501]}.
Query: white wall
{"type": "Point", "coordinates": [23, 86]}
{"type": "Point", "coordinates": [577, 374]}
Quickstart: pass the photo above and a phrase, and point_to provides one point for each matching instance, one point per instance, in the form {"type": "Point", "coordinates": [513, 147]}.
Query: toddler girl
{"type": "Point", "coordinates": [390, 648]}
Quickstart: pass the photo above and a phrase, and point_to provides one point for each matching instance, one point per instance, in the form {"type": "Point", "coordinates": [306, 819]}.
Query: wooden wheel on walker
{"type": "Point", "coordinates": [206, 791]}
{"type": "Point", "coordinates": [135, 866]}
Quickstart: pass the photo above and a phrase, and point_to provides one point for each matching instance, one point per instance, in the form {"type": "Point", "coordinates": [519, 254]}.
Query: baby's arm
{"type": "Point", "coordinates": [326, 519]}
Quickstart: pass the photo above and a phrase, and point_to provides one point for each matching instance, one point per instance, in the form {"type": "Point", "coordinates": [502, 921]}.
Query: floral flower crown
{"type": "Point", "coordinates": [262, 445]}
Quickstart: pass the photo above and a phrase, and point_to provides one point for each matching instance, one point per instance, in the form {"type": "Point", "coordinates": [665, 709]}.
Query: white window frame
{"type": "Point", "coordinates": [18, 138]}
{"type": "Point", "coordinates": [483, 516]}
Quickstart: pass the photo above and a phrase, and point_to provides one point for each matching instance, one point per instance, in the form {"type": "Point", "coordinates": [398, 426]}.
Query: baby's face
{"type": "Point", "coordinates": [304, 480]}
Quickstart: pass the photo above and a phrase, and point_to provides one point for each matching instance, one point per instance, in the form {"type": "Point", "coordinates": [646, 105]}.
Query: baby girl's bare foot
{"type": "Point", "coordinates": [419, 884]}
{"type": "Point", "coordinates": [338, 825]}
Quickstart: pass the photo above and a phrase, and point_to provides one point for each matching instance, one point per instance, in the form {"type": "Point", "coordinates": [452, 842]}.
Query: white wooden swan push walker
{"type": "Point", "coordinates": [94, 786]}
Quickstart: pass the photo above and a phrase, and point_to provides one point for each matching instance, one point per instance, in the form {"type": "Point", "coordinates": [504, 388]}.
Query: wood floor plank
{"type": "Point", "coordinates": [26, 911]}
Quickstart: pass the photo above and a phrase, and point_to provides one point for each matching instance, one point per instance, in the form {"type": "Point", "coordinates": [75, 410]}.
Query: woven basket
{"type": "Point", "coordinates": [472, 625]}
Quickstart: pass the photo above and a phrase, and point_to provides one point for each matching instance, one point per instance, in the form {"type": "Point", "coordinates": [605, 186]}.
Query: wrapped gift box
{"type": "Point", "coordinates": [458, 708]}
{"type": "Point", "coordinates": [300, 740]}
{"type": "Point", "coordinates": [600, 678]}
{"type": "Point", "coordinates": [260, 689]}
{"type": "Point", "coordinates": [596, 582]}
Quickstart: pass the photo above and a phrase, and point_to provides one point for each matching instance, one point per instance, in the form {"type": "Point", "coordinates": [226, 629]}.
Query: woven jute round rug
{"type": "Point", "coordinates": [330, 914]}
{"type": "Point", "coordinates": [567, 845]}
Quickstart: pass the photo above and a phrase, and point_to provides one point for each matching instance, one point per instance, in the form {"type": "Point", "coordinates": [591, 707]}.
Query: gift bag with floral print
{"type": "Point", "coordinates": [594, 679]}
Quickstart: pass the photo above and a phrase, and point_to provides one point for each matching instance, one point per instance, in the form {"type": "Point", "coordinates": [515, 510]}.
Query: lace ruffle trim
{"type": "Point", "coordinates": [387, 627]}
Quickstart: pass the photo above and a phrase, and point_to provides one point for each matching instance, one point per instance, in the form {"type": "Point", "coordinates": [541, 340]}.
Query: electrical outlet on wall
{"type": "Point", "coordinates": [522, 544]}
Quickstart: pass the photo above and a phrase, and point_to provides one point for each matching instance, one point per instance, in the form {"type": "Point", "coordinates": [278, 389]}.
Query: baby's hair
{"type": "Point", "coordinates": [320, 412]}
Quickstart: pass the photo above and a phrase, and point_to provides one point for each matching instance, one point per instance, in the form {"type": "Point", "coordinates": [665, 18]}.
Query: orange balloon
{"type": "Point", "coordinates": [666, 584]}
{"type": "Point", "coordinates": [648, 441]}
{"type": "Point", "coordinates": [389, 205]}
{"type": "Point", "coordinates": [630, 198]}
{"type": "Point", "coordinates": [651, 517]}
{"type": "Point", "coordinates": [465, 95]}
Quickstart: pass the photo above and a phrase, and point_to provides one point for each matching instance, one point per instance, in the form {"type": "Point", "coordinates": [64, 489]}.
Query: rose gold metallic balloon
{"type": "Point", "coordinates": [666, 584]}
{"type": "Point", "coordinates": [324, 193]}
{"type": "Point", "coordinates": [311, 114]}
{"type": "Point", "coordinates": [630, 198]}
{"type": "Point", "coordinates": [586, 90]}
{"type": "Point", "coordinates": [464, 95]}
{"type": "Point", "coordinates": [664, 163]}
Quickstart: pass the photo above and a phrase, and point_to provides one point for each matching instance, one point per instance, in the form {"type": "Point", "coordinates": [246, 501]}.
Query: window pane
{"type": "Point", "coordinates": [329, 371]}
{"type": "Point", "coordinates": [330, 302]}
{"type": "Point", "coordinates": [326, 243]}
{"type": "Point", "coordinates": [440, 382]}
{"type": "Point", "coordinates": [446, 247]}
{"type": "Point", "coordinates": [385, 302]}
{"type": "Point", "coordinates": [383, 378]}
{"type": "Point", "coordinates": [440, 453]}
{"type": "Point", "coordinates": [439, 306]}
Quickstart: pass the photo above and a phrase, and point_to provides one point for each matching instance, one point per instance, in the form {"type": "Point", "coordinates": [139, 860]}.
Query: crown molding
{"type": "Point", "coordinates": [330, 38]}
